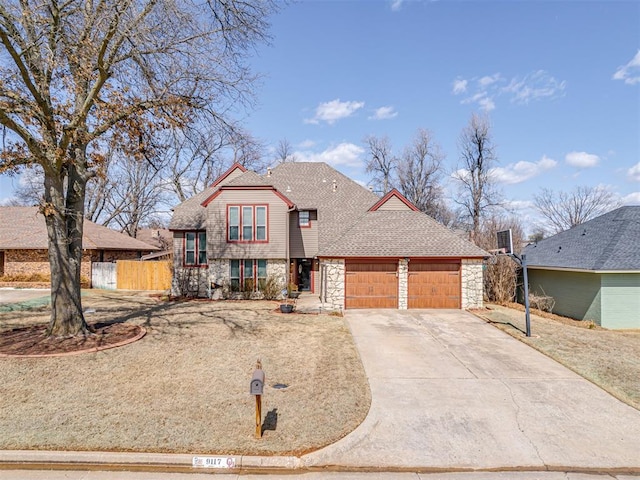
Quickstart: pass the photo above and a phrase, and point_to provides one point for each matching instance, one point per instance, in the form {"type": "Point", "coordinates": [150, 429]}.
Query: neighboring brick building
{"type": "Point", "coordinates": [24, 247]}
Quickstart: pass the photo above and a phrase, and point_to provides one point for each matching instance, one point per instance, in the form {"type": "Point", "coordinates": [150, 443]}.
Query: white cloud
{"type": "Point", "coordinates": [489, 79]}
{"type": "Point", "coordinates": [396, 5]}
{"type": "Point", "coordinates": [631, 199]}
{"type": "Point", "coordinates": [307, 144]}
{"type": "Point", "coordinates": [519, 205]}
{"type": "Point", "coordinates": [383, 113]}
{"type": "Point", "coordinates": [581, 159]}
{"type": "Point", "coordinates": [334, 110]}
{"type": "Point", "coordinates": [459, 86]}
{"type": "Point", "coordinates": [521, 171]}
{"type": "Point", "coordinates": [634, 173]}
{"type": "Point", "coordinates": [521, 90]}
{"type": "Point", "coordinates": [535, 86]}
{"type": "Point", "coordinates": [487, 104]}
{"type": "Point", "coordinates": [630, 72]}
{"type": "Point", "coordinates": [347, 154]}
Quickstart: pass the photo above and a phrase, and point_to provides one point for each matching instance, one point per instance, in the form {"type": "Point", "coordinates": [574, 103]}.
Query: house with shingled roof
{"type": "Point", "coordinates": [306, 224]}
{"type": "Point", "coordinates": [592, 270]}
{"type": "Point", "coordinates": [24, 244]}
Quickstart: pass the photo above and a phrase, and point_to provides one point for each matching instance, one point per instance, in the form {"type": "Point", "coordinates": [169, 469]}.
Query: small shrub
{"type": "Point", "coordinates": [542, 302]}
{"type": "Point", "coordinates": [272, 288]}
{"type": "Point", "coordinates": [248, 288]}
{"type": "Point", "coordinates": [27, 277]}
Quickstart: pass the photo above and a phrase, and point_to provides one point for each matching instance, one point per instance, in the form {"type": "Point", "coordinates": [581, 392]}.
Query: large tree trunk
{"type": "Point", "coordinates": [64, 213]}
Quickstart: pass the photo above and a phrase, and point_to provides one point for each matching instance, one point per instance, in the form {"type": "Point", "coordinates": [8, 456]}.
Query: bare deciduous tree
{"type": "Point", "coordinates": [478, 193]}
{"type": "Point", "coordinates": [284, 152]}
{"type": "Point", "coordinates": [564, 210]}
{"type": "Point", "coordinates": [73, 71]}
{"type": "Point", "coordinates": [420, 173]}
{"type": "Point", "coordinates": [381, 162]}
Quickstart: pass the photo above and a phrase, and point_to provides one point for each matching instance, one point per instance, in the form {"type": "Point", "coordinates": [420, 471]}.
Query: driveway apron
{"type": "Point", "coordinates": [451, 391]}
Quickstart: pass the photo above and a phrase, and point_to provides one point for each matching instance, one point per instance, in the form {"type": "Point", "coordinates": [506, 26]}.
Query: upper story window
{"type": "Point", "coordinates": [195, 249]}
{"type": "Point", "coordinates": [247, 223]}
{"type": "Point", "coordinates": [304, 219]}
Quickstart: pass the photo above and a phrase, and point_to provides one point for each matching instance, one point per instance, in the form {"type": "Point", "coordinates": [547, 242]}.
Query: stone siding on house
{"type": "Point", "coordinates": [332, 287]}
{"type": "Point", "coordinates": [403, 284]}
{"type": "Point", "coordinates": [277, 268]}
{"type": "Point", "coordinates": [472, 283]}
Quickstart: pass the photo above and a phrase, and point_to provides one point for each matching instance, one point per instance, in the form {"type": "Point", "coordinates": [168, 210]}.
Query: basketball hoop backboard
{"type": "Point", "coordinates": [505, 241]}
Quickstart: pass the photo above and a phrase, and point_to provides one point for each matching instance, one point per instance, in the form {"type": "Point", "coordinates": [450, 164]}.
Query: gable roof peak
{"type": "Point", "coordinates": [230, 170]}
{"type": "Point", "coordinates": [394, 193]}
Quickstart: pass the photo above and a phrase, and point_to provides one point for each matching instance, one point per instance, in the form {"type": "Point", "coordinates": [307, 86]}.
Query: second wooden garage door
{"type": "Point", "coordinates": [434, 285]}
{"type": "Point", "coordinates": [371, 285]}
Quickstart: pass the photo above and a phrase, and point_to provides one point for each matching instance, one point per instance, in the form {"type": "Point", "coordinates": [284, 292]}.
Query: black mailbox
{"type": "Point", "coordinates": [257, 382]}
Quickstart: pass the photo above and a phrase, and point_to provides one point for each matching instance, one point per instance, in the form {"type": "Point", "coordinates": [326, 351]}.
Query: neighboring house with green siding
{"type": "Point", "coordinates": [592, 270]}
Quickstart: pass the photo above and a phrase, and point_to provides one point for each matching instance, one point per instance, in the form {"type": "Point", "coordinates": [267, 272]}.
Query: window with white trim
{"type": "Point", "coordinates": [234, 223]}
{"type": "Point", "coordinates": [304, 219]}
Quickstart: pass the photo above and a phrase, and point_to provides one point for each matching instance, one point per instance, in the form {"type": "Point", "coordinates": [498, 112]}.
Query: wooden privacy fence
{"type": "Point", "coordinates": [103, 275]}
{"type": "Point", "coordinates": [135, 275]}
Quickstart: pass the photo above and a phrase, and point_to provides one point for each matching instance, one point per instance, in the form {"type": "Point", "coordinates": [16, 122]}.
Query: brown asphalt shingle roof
{"type": "Point", "coordinates": [345, 227]}
{"type": "Point", "coordinates": [309, 185]}
{"type": "Point", "coordinates": [390, 233]}
{"type": "Point", "coordinates": [24, 228]}
{"type": "Point", "coordinates": [190, 214]}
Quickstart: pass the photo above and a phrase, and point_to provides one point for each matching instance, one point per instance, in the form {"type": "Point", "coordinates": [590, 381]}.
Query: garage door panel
{"type": "Point", "coordinates": [434, 285]}
{"type": "Point", "coordinates": [371, 285]}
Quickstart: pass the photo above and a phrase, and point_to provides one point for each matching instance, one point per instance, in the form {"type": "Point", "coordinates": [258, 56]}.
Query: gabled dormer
{"type": "Point", "coordinates": [394, 200]}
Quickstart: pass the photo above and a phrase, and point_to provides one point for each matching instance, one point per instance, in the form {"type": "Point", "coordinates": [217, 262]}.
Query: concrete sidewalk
{"type": "Point", "coordinates": [22, 298]}
{"type": "Point", "coordinates": [450, 391]}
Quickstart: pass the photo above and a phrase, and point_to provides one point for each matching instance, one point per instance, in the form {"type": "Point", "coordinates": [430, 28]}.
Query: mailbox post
{"type": "Point", "coordinates": [256, 388]}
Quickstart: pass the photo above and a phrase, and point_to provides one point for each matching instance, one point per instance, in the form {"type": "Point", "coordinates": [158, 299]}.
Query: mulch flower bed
{"type": "Point", "coordinates": [32, 342]}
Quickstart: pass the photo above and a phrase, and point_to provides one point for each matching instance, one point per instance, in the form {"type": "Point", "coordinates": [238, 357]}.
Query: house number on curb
{"type": "Point", "coordinates": [214, 462]}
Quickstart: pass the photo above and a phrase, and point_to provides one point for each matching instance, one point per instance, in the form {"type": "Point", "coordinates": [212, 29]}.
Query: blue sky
{"type": "Point", "coordinates": [560, 81]}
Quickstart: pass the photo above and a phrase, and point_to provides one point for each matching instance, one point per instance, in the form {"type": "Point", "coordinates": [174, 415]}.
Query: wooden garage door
{"type": "Point", "coordinates": [434, 285]}
{"type": "Point", "coordinates": [371, 285]}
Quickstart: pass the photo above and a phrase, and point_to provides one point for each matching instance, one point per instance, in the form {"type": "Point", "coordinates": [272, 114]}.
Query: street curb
{"type": "Point", "coordinates": [152, 461]}
{"type": "Point", "coordinates": [256, 464]}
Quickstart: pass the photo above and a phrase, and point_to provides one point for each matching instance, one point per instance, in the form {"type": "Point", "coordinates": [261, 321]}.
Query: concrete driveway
{"type": "Point", "coordinates": [451, 391]}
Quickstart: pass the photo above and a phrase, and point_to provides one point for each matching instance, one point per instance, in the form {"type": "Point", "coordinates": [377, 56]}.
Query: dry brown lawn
{"type": "Point", "coordinates": [185, 386]}
{"type": "Point", "coordinates": [608, 358]}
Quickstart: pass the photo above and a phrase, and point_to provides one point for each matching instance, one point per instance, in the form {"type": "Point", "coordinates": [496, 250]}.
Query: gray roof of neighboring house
{"type": "Point", "coordinates": [388, 233]}
{"type": "Point", "coordinates": [24, 228]}
{"type": "Point", "coordinates": [610, 242]}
